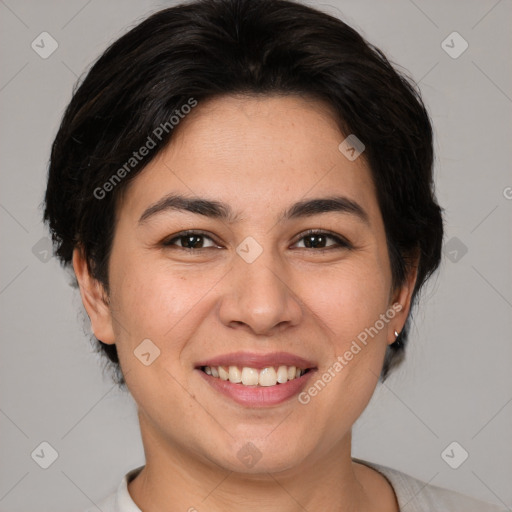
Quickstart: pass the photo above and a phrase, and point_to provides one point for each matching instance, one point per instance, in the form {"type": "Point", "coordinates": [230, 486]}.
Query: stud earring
{"type": "Point", "coordinates": [396, 334]}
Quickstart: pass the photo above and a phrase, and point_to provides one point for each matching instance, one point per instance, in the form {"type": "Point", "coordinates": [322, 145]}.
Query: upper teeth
{"type": "Point", "coordinates": [247, 376]}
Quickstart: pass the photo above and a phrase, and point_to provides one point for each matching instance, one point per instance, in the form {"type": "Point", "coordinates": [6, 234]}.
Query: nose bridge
{"type": "Point", "coordinates": [261, 298]}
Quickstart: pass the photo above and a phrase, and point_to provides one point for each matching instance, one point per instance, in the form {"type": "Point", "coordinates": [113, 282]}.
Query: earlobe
{"type": "Point", "coordinates": [94, 299]}
{"type": "Point", "coordinates": [403, 298]}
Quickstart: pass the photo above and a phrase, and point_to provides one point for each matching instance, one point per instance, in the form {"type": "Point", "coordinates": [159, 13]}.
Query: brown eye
{"type": "Point", "coordinates": [189, 240]}
{"type": "Point", "coordinates": [315, 239]}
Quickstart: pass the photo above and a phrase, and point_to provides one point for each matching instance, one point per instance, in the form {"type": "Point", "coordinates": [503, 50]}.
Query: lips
{"type": "Point", "coordinates": [269, 393]}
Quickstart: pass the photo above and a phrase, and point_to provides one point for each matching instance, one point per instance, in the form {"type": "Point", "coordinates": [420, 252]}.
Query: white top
{"type": "Point", "coordinates": [413, 495]}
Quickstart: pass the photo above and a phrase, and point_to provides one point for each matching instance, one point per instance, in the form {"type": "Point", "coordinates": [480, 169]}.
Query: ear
{"type": "Point", "coordinates": [401, 300]}
{"type": "Point", "coordinates": [94, 298]}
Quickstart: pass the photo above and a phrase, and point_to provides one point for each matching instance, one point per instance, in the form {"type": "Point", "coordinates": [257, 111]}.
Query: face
{"type": "Point", "coordinates": [242, 283]}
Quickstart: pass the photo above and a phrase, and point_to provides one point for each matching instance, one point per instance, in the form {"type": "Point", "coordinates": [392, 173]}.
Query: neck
{"type": "Point", "coordinates": [176, 479]}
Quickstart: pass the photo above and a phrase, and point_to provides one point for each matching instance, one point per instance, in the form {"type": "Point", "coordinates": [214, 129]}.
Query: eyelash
{"type": "Point", "coordinates": [340, 241]}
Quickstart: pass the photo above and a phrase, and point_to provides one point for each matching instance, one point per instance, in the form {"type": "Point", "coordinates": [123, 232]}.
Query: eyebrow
{"type": "Point", "coordinates": [219, 210]}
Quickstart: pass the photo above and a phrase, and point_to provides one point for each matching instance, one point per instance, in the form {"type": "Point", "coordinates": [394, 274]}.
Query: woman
{"type": "Point", "coordinates": [244, 190]}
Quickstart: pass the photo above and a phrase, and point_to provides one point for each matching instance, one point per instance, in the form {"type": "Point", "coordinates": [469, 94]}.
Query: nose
{"type": "Point", "coordinates": [259, 296]}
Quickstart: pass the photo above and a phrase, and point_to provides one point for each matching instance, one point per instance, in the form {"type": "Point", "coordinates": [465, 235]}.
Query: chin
{"type": "Point", "coordinates": [266, 455]}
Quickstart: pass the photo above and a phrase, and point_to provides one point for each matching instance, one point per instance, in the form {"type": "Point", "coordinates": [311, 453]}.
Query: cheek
{"type": "Point", "coordinates": [348, 298]}
{"type": "Point", "coordinates": [154, 303]}
{"type": "Point", "coordinates": [350, 301]}
{"type": "Point", "coordinates": [160, 302]}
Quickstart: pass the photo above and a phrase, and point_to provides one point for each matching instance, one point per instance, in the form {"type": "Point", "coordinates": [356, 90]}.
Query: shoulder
{"type": "Point", "coordinates": [120, 500]}
{"type": "Point", "coordinates": [414, 495]}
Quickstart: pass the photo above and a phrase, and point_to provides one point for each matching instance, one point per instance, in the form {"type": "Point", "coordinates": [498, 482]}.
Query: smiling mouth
{"type": "Point", "coordinates": [247, 376]}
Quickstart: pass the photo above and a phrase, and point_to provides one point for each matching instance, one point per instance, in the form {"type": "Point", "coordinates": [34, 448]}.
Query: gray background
{"type": "Point", "coordinates": [456, 384]}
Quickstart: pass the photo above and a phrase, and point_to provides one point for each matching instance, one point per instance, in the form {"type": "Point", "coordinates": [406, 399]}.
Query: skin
{"type": "Point", "coordinates": [260, 155]}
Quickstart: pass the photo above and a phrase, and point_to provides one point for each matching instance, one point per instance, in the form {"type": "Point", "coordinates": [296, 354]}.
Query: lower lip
{"type": "Point", "coordinates": [258, 396]}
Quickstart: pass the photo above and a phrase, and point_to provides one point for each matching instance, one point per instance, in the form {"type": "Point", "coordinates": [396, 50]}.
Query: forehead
{"type": "Point", "coordinates": [257, 154]}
